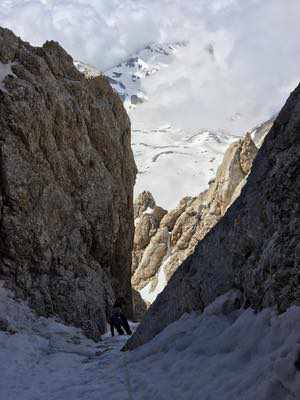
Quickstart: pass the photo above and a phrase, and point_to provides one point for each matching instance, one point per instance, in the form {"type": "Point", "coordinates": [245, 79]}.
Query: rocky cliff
{"type": "Point", "coordinates": [67, 176]}
{"type": "Point", "coordinates": [165, 240]}
{"type": "Point", "coordinates": [254, 247]}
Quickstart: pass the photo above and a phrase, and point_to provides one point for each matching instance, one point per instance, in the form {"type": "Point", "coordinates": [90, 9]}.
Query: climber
{"type": "Point", "coordinates": [118, 320]}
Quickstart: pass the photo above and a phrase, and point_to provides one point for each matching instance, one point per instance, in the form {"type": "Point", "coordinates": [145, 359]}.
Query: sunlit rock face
{"type": "Point", "coordinates": [67, 176]}
{"type": "Point", "coordinates": [254, 247]}
{"type": "Point", "coordinates": [150, 242]}
{"type": "Point", "coordinates": [164, 240]}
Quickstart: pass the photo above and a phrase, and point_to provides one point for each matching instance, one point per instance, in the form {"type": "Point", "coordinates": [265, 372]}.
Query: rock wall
{"type": "Point", "coordinates": [166, 239]}
{"type": "Point", "coordinates": [255, 247]}
{"type": "Point", "coordinates": [66, 182]}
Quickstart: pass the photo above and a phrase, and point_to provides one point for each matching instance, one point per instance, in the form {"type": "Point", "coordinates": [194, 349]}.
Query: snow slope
{"type": "Point", "coordinates": [174, 163]}
{"type": "Point", "coordinates": [46, 360]}
{"type": "Point", "coordinates": [213, 356]}
{"type": "Point", "coordinates": [239, 356]}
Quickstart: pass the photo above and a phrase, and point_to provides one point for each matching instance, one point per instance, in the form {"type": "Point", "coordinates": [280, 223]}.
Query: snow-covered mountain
{"type": "Point", "coordinates": [127, 76]}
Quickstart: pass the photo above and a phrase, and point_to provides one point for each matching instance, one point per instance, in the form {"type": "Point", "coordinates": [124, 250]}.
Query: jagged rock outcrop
{"type": "Point", "coordinates": [254, 247]}
{"type": "Point", "coordinates": [172, 238]}
{"type": "Point", "coordinates": [143, 202]}
{"type": "Point", "coordinates": [149, 247]}
{"type": "Point", "coordinates": [150, 242]}
{"type": "Point", "coordinates": [67, 176]}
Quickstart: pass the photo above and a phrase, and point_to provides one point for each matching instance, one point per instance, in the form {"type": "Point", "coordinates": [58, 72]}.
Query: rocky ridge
{"type": "Point", "coordinates": [67, 176]}
{"type": "Point", "coordinates": [254, 247]}
{"type": "Point", "coordinates": [165, 239]}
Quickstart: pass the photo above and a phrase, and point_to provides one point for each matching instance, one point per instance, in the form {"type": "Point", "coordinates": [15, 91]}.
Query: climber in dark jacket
{"type": "Point", "coordinates": [118, 320]}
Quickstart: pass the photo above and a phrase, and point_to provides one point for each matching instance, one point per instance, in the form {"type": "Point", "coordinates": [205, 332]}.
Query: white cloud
{"type": "Point", "coordinates": [100, 32]}
{"type": "Point", "coordinates": [254, 64]}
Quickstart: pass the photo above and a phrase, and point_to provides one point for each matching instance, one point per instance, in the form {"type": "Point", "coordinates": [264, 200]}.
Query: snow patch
{"type": "Point", "coordinates": [149, 211]}
{"type": "Point", "coordinates": [150, 295]}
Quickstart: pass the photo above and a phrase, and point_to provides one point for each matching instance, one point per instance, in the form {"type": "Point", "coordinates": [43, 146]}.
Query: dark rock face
{"type": "Point", "coordinates": [256, 245]}
{"type": "Point", "coordinates": [66, 182]}
{"type": "Point", "coordinates": [139, 306]}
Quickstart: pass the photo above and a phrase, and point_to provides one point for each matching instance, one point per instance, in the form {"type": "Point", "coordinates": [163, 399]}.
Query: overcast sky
{"type": "Point", "coordinates": [254, 66]}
